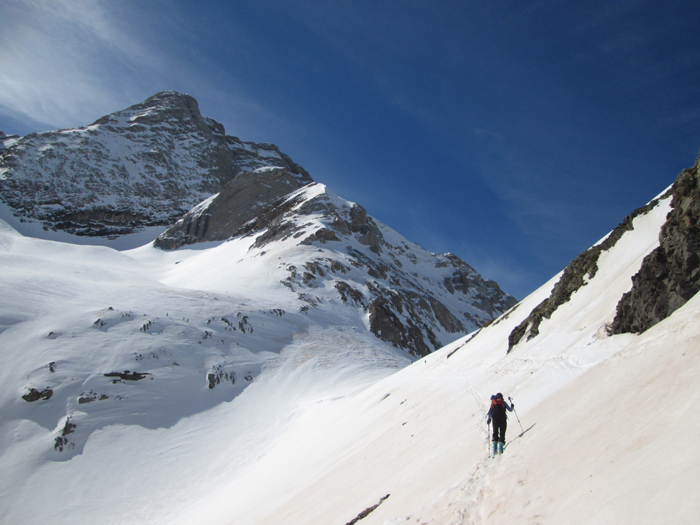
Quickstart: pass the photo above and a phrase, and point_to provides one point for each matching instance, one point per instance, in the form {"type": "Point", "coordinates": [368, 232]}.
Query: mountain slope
{"type": "Point", "coordinates": [420, 435]}
{"type": "Point", "coordinates": [414, 299]}
{"type": "Point", "coordinates": [326, 431]}
{"type": "Point", "coordinates": [599, 439]}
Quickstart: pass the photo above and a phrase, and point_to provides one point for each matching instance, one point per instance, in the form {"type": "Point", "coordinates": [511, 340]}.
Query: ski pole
{"type": "Point", "coordinates": [516, 415]}
{"type": "Point", "coordinates": [488, 441]}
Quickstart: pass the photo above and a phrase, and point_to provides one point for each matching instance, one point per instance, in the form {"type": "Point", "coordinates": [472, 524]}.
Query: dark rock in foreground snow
{"type": "Point", "coordinates": [670, 275]}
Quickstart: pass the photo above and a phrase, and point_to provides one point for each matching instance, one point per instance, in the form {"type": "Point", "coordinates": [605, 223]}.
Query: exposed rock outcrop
{"type": "Point", "coordinates": [127, 375]}
{"type": "Point", "coordinates": [244, 199]}
{"type": "Point", "coordinates": [36, 395]}
{"type": "Point", "coordinates": [670, 275]}
{"type": "Point", "coordinates": [62, 442]}
{"type": "Point", "coordinates": [574, 276]}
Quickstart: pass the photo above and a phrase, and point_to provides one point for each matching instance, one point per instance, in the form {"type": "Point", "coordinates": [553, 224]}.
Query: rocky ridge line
{"type": "Point", "coordinates": [670, 275]}
{"type": "Point", "coordinates": [585, 265]}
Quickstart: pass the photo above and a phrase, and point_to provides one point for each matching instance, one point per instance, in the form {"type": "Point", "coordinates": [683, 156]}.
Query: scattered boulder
{"type": "Point", "coordinates": [36, 395]}
{"type": "Point", "coordinates": [91, 396]}
{"type": "Point", "coordinates": [127, 375]}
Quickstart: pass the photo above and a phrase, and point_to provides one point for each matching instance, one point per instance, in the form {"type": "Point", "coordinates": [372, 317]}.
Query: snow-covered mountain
{"type": "Point", "coordinates": [243, 373]}
{"type": "Point", "coordinates": [413, 299]}
{"type": "Point", "coordinates": [147, 329]}
{"type": "Point", "coordinates": [143, 166]}
{"type": "Point", "coordinates": [146, 165]}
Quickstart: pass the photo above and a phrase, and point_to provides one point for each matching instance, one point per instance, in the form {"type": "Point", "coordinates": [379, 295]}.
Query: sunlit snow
{"type": "Point", "coordinates": [331, 420]}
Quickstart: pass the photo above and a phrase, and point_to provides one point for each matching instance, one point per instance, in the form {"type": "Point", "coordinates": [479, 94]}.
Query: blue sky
{"type": "Point", "coordinates": [514, 134]}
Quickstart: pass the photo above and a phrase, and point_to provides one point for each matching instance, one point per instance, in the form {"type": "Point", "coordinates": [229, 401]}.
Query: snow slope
{"type": "Point", "coordinates": [601, 418]}
{"type": "Point", "coordinates": [334, 421]}
{"type": "Point", "coordinates": [70, 314]}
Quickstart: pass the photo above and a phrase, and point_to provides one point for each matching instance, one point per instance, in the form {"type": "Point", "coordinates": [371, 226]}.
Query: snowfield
{"type": "Point", "coordinates": [315, 421]}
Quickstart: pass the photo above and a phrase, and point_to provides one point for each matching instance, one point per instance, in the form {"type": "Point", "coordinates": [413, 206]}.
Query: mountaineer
{"type": "Point", "coordinates": [498, 415]}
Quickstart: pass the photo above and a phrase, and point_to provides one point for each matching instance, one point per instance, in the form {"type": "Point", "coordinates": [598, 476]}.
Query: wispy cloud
{"type": "Point", "coordinates": [63, 62]}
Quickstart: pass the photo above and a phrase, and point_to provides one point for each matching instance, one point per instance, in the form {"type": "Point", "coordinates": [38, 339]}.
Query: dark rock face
{"type": "Point", "coordinates": [142, 166]}
{"type": "Point", "coordinates": [249, 156]}
{"type": "Point", "coordinates": [242, 200]}
{"type": "Point", "coordinates": [574, 277]}
{"type": "Point", "coordinates": [407, 318]}
{"type": "Point", "coordinates": [670, 275]}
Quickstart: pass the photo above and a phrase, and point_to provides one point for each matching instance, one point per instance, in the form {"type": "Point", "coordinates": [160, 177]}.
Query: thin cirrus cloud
{"type": "Point", "coordinates": [64, 62]}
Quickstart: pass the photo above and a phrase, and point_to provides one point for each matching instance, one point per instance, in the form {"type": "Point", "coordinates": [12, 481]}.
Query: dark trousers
{"type": "Point", "coordinates": [499, 430]}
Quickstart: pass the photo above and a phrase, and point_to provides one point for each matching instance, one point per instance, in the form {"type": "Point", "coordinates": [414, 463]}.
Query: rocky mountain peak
{"type": "Point", "coordinates": [167, 107]}
{"type": "Point", "coordinates": [143, 166]}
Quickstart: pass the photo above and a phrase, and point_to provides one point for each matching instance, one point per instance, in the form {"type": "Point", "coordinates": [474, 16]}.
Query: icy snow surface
{"type": "Point", "coordinates": [333, 420]}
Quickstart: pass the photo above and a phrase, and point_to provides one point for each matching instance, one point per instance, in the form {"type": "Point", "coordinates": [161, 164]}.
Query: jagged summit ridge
{"type": "Point", "coordinates": [142, 166]}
